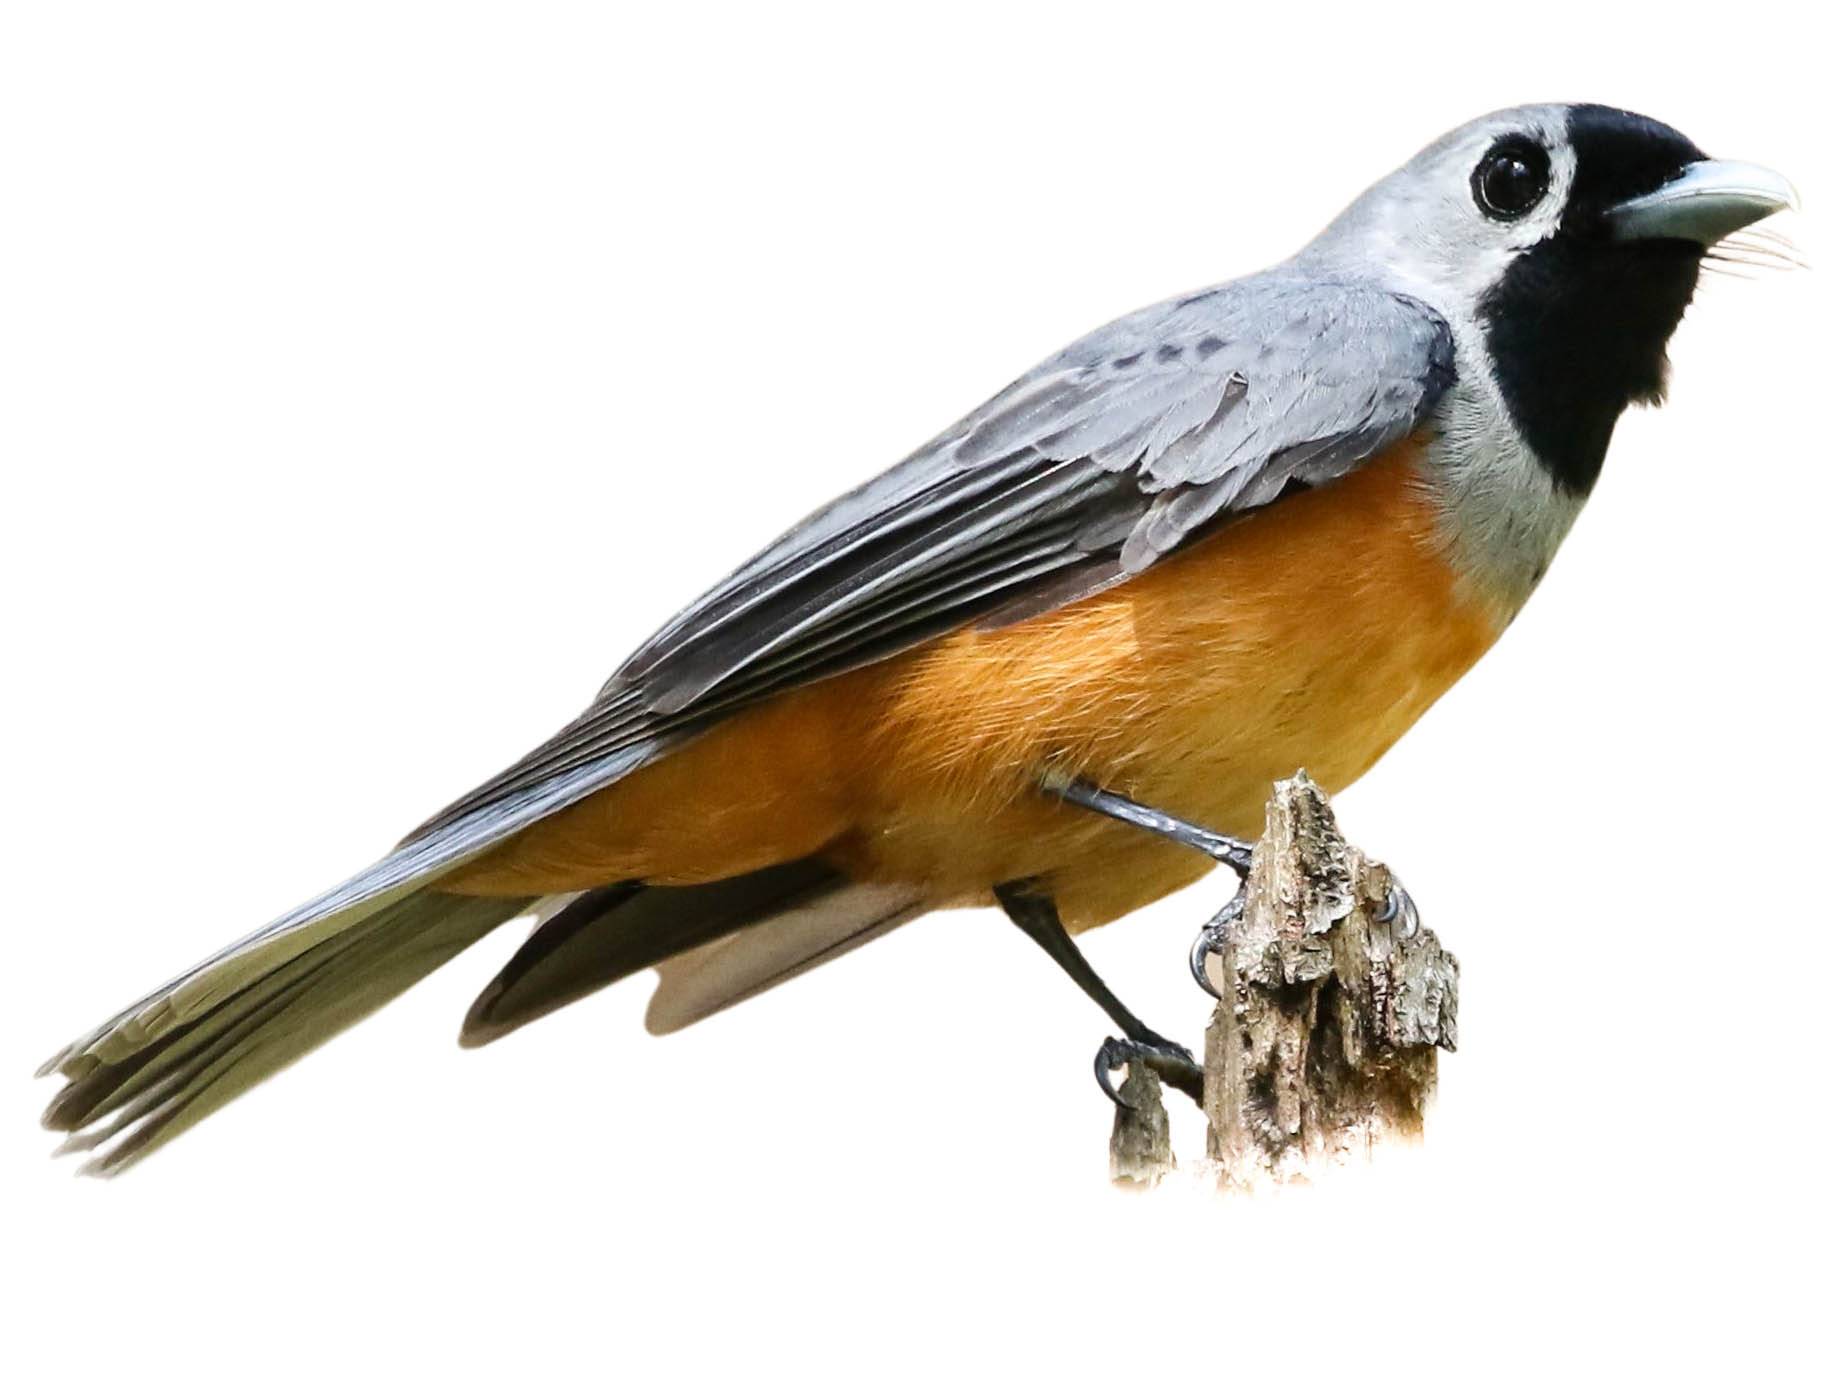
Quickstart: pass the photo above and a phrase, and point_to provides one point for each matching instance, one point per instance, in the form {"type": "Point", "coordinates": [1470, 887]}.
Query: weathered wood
{"type": "Point", "coordinates": [1140, 1150]}
{"type": "Point", "coordinates": [1326, 1036]}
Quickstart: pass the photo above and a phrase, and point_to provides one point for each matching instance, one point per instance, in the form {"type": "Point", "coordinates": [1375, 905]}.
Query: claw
{"type": "Point", "coordinates": [1107, 1061]}
{"type": "Point", "coordinates": [1399, 910]}
{"type": "Point", "coordinates": [1173, 1063]}
{"type": "Point", "coordinates": [1213, 935]}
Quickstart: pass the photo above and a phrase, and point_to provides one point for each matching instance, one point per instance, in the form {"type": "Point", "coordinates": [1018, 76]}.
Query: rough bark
{"type": "Point", "coordinates": [1140, 1150]}
{"type": "Point", "coordinates": [1325, 1039]}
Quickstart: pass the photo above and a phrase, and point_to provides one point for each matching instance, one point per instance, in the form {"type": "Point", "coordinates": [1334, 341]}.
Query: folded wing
{"type": "Point", "coordinates": [1085, 471]}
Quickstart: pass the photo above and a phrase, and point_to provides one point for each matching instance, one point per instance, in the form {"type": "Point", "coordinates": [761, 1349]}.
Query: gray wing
{"type": "Point", "coordinates": [1083, 472]}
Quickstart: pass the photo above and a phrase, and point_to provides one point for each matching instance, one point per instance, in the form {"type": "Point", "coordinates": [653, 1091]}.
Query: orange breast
{"type": "Point", "coordinates": [1311, 634]}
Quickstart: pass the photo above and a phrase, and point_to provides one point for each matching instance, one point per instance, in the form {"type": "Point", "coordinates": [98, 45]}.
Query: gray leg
{"type": "Point", "coordinates": [1033, 912]}
{"type": "Point", "coordinates": [1222, 848]}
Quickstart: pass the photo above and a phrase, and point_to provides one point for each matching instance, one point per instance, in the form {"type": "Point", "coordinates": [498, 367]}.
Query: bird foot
{"type": "Point", "coordinates": [1211, 939]}
{"type": "Point", "coordinates": [1168, 1059]}
{"type": "Point", "coordinates": [1398, 910]}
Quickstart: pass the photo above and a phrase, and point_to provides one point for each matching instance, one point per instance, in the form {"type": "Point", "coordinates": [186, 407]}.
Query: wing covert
{"type": "Point", "coordinates": [1086, 470]}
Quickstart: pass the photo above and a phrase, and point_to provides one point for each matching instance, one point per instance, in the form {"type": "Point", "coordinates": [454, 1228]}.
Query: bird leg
{"type": "Point", "coordinates": [1033, 911]}
{"type": "Point", "coordinates": [1222, 848]}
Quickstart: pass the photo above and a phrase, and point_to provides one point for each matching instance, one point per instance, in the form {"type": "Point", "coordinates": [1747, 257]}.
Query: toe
{"type": "Point", "coordinates": [1399, 910]}
{"type": "Point", "coordinates": [1212, 938]}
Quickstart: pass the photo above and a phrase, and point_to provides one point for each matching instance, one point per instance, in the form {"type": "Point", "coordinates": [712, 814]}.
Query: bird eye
{"type": "Point", "coordinates": [1511, 179]}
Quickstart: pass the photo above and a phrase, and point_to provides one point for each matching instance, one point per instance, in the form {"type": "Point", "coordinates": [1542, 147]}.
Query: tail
{"type": "Point", "coordinates": [150, 1076]}
{"type": "Point", "coordinates": [151, 1072]}
{"type": "Point", "coordinates": [714, 944]}
{"type": "Point", "coordinates": [190, 1048]}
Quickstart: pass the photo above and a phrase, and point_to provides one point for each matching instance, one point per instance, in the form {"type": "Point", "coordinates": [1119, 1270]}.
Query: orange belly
{"type": "Point", "coordinates": [1309, 634]}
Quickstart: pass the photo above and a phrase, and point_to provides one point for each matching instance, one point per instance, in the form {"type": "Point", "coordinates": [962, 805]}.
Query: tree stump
{"type": "Point", "coordinates": [1326, 1036]}
{"type": "Point", "coordinates": [1140, 1151]}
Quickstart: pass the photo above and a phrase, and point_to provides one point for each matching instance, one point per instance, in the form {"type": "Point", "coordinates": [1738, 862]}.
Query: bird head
{"type": "Point", "coordinates": [1563, 244]}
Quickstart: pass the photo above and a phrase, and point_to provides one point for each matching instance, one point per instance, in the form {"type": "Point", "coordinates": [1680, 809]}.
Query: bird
{"type": "Point", "coordinates": [1053, 660]}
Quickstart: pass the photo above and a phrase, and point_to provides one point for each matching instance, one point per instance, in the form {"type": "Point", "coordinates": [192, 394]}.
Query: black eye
{"type": "Point", "coordinates": [1511, 179]}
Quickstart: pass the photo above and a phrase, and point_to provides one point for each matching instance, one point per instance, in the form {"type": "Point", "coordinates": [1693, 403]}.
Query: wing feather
{"type": "Point", "coordinates": [1106, 457]}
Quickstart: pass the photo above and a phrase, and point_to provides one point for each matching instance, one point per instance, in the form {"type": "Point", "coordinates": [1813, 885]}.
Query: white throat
{"type": "Point", "coordinates": [1503, 517]}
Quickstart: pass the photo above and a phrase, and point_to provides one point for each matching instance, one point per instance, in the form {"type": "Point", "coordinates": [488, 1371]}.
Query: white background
{"type": "Point", "coordinates": [376, 376]}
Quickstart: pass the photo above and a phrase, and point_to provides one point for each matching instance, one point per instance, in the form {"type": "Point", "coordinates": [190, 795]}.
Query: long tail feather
{"type": "Point", "coordinates": [416, 864]}
{"type": "Point", "coordinates": [127, 1100]}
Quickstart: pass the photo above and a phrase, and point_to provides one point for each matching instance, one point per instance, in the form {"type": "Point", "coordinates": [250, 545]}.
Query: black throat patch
{"type": "Point", "coordinates": [1578, 325]}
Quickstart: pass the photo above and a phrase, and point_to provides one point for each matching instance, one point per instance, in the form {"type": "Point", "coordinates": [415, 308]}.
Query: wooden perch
{"type": "Point", "coordinates": [1326, 1036]}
